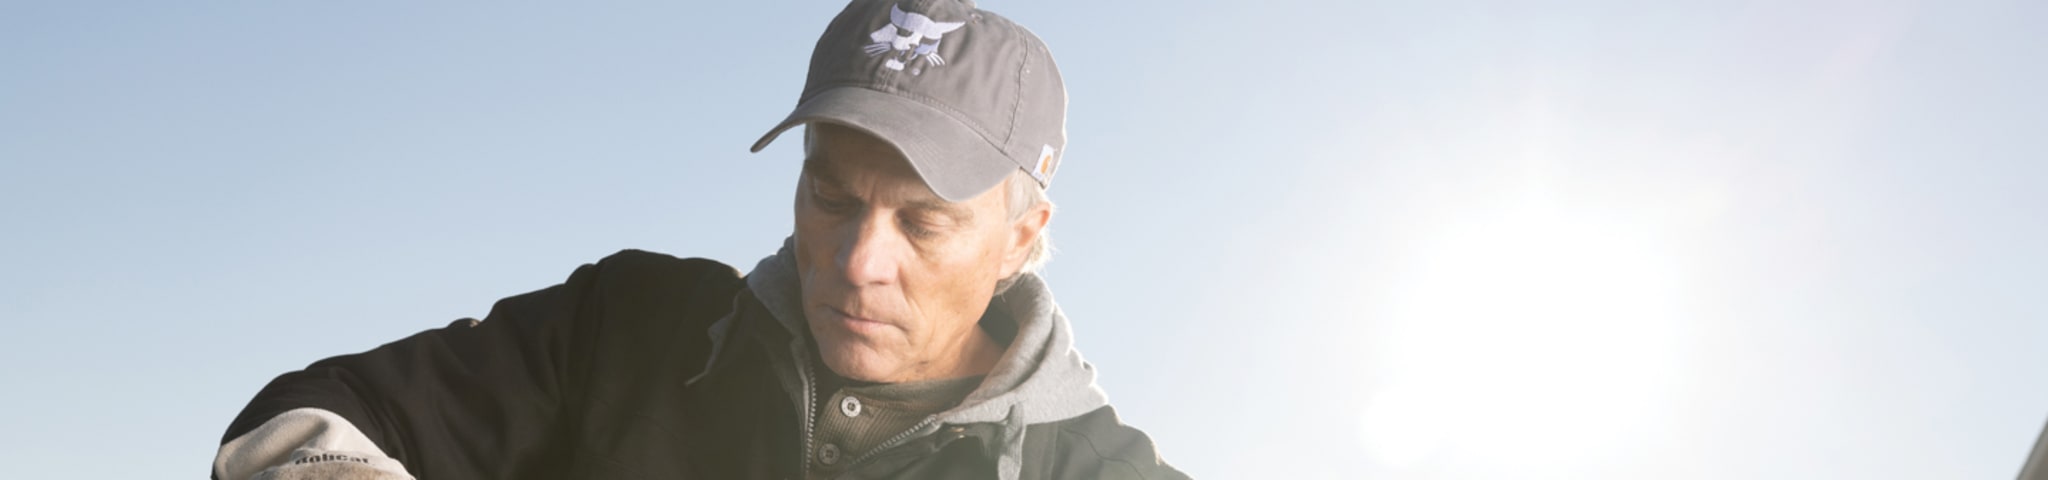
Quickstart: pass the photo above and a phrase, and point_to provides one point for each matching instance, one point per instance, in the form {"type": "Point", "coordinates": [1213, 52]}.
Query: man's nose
{"type": "Point", "coordinates": [872, 252]}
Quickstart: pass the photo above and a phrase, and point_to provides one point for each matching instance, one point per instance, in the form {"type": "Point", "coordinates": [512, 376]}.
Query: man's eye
{"type": "Point", "coordinates": [915, 229]}
{"type": "Point", "coordinates": [926, 225]}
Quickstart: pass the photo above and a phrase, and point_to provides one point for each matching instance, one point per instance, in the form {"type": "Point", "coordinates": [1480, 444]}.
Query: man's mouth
{"type": "Point", "coordinates": [856, 323]}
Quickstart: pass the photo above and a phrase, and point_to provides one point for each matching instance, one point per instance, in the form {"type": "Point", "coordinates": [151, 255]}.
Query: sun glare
{"type": "Point", "coordinates": [1525, 339]}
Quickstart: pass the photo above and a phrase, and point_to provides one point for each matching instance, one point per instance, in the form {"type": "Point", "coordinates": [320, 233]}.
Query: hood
{"type": "Point", "coordinates": [1040, 378]}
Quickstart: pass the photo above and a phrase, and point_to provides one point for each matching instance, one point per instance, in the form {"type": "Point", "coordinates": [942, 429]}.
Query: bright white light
{"type": "Point", "coordinates": [1525, 341]}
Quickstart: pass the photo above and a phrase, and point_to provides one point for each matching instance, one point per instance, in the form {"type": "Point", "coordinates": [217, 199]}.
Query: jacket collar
{"type": "Point", "coordinates": [1040, 377]}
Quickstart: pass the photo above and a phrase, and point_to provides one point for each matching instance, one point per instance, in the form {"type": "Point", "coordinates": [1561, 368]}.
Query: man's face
{"type": "Point", "coordinates": [895, 278]}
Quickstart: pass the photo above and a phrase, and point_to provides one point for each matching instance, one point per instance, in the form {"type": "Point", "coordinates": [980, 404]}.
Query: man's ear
{"type": "Point", "coordinates": [1023, 232]}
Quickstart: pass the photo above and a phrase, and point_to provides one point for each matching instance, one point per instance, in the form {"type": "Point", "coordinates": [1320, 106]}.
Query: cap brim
{"type": "Point", "coordinates": [955, 161]}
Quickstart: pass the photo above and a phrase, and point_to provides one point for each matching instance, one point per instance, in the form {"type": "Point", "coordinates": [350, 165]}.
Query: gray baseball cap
{"type": "Point", "coordinates": [967, 95]}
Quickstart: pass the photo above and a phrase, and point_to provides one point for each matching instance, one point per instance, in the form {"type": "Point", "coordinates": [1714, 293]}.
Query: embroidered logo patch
{"type": "Point", "coordinates": [908, 38]}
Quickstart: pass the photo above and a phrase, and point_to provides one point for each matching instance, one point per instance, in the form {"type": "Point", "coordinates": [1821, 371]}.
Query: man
{"type": "Point", "coordinates": [899, 333]}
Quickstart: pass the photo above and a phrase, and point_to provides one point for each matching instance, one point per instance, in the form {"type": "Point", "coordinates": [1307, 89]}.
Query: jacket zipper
{"type": "Point", "coordinates": [803, 368]}
{"type": "Point", "coordinates": [893, 442]}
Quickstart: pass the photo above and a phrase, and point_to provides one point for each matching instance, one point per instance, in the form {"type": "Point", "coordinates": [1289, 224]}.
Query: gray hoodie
{"type": "Point", "coordinates": [1040, 378]}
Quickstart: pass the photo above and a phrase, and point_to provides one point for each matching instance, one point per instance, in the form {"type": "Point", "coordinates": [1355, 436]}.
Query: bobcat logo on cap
{"type": "Point", "coordinates": [908, 38]}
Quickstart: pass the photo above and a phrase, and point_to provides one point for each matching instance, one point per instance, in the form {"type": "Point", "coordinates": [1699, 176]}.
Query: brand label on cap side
{"type": "Point", "coordinates": [1048, 162]}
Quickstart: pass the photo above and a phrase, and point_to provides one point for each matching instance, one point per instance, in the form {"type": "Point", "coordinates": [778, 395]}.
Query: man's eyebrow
{"type": "Point", "coordinates": [959, 214]}
{"type": "Point", "coordinates": [820, 170]}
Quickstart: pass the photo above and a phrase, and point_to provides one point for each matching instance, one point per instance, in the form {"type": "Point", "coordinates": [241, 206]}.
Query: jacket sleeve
{"type": "Point", "coordinates": [470, 400]}
{"type": "Point", "coordinates": [1096, 445]}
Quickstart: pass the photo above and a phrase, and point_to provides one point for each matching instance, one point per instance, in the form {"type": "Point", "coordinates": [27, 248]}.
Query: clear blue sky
{"type": "Point", "coordinates": [1300, 239]}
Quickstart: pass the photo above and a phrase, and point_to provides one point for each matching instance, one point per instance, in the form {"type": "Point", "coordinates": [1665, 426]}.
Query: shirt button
{"type": "Point", "coordinates": [828, 454]}
{"type": "Point", "coordinates": [850, 406]}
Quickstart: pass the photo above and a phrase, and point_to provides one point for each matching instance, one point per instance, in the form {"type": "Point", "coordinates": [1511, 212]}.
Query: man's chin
{"type": "Point", "coordinates": [856, 363]}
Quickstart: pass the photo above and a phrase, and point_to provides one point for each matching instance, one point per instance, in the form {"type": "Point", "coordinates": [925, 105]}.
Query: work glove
{"type": "Point", "coordinates": [317, 464]}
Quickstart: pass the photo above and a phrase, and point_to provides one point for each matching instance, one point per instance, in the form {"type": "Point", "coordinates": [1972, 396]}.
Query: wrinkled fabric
{"type": "Point", "coordinates": [593, 379]}
{"type": "Point", "coordinates": [1040, 378]}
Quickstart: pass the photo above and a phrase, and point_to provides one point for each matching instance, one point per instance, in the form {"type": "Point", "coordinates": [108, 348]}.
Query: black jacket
{"type": "Point", "coordinates": [587, 379]}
